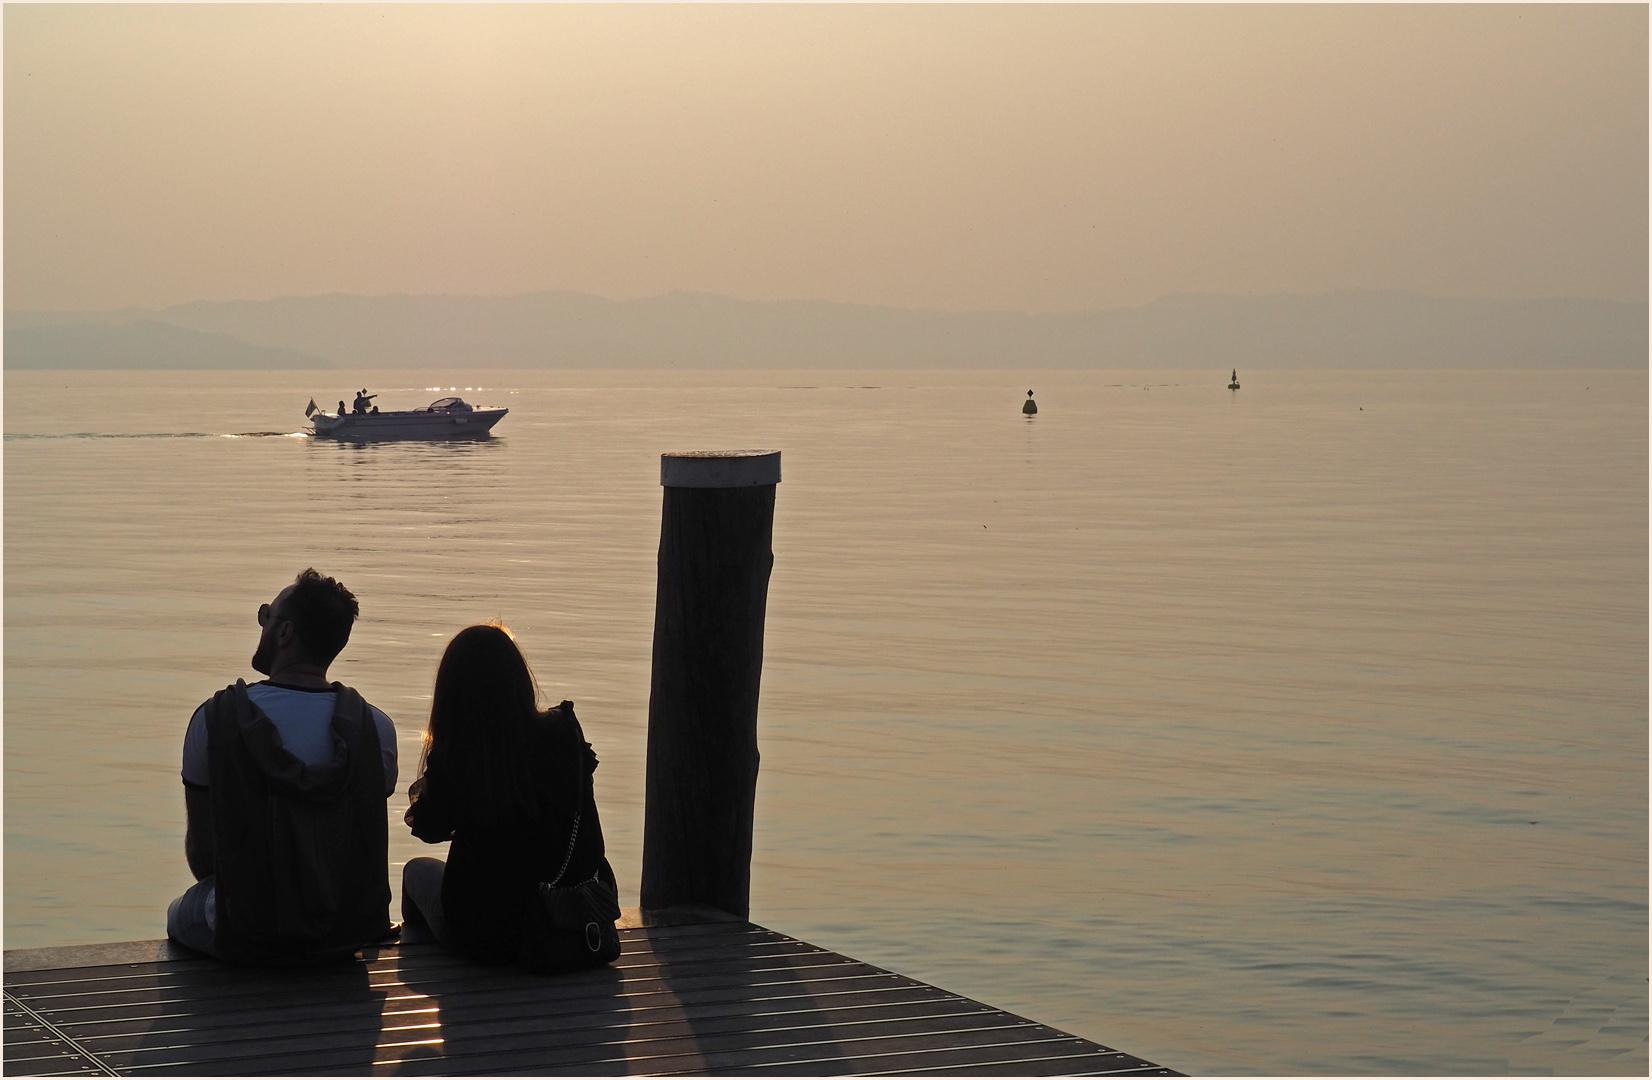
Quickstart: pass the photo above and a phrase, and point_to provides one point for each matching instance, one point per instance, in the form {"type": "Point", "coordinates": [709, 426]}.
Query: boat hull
{"type": "Point", "coordinates": [413, 424]}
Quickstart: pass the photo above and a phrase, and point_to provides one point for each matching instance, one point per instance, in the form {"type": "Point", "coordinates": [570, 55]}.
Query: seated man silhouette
{"type": "Point", "coordinates": [285, 789]}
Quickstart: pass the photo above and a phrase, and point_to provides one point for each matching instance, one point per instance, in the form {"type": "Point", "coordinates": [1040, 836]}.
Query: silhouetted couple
{"type": "Point", "coordinates": [285, 785]}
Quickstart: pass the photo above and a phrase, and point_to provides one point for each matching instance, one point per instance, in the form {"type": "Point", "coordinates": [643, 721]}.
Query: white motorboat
{"type": "Point", "coordinates": [444, 418]}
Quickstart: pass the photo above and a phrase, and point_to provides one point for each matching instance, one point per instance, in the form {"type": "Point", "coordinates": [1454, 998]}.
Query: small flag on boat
{"type": "Point", "coordinates": [310, 408]}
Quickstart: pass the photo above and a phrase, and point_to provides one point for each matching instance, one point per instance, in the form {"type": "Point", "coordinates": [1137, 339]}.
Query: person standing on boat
{"type": "Point", "coordinates": [363, 400]}
{"type": "Point", "coordinates": [286, 784]}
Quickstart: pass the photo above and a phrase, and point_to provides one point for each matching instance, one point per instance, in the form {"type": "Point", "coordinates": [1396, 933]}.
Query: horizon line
{"type": "Point", "coordinates": [834, 303]}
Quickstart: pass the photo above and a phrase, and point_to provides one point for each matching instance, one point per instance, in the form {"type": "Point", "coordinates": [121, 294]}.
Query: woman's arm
{"type": "Point", "coordinates": [427, 815]}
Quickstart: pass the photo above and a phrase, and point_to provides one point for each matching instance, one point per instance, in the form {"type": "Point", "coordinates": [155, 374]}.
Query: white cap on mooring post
{"type": "Point", "coordinates": [720, 469]}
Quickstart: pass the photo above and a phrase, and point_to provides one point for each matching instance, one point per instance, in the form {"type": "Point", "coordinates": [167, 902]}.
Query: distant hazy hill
{"type": "Point", "coordinates": [556, 329]}
{"type": "Point", "coordinates": [142, 344]}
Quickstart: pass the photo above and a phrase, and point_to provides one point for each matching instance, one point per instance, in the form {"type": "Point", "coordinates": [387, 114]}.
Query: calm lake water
{"type": "Point", "coordinates": [1302, 729]}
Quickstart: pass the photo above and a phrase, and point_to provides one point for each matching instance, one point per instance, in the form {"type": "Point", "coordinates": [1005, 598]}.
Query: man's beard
{"type": "Point", "coordinates": [261, 659]}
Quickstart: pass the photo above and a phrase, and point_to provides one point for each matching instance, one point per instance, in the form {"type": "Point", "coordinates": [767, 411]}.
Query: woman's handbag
{"type": "Point", "coordinates": [576, 926]}
{"type": "Point", "coordinates": [572, 926]}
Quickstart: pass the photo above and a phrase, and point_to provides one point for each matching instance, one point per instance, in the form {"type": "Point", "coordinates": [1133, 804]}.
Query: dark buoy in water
{"type": "Point", "coordinates": [1233, 384]}
{"type": "Point", "coordinates": [1029, 407]}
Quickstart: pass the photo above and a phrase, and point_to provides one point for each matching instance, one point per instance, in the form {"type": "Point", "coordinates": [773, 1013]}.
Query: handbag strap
{"type": "Point", "coordinates": [579, 809]}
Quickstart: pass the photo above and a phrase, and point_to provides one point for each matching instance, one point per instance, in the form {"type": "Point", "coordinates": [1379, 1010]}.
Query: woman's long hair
{"type": "Point", "coordinates": [482, 720]}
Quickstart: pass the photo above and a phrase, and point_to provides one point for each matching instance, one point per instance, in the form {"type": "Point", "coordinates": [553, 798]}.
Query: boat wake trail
{"type": "Point", "coordinates": [23, 437]}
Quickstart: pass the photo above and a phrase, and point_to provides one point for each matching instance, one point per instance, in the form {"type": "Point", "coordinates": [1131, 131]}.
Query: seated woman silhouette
{"type": "Point", "coordinates": [511, 787]}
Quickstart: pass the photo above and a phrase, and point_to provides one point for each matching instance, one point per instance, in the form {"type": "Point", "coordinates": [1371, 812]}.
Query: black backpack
{"type": "Point", "coordinates": [301, 851]}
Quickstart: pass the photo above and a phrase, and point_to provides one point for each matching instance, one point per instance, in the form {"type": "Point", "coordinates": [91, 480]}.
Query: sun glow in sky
{"type": "Point", "coordinates": [959, 157]}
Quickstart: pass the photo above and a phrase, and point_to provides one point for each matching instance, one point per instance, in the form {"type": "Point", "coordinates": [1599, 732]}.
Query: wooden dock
{"type": "Point", "coordinates": [709, 997]}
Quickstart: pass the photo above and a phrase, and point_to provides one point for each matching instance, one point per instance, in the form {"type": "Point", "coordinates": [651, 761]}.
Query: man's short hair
{"type": "Point", "coordinates": [322, 612]}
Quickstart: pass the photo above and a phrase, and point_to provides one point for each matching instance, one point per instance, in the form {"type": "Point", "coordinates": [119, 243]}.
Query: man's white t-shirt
{"type": "Point", "coordinates": [305, 720]}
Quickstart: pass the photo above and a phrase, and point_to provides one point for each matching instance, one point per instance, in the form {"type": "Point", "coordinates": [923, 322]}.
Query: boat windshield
{"type": "Point", "coordinates": [449, 404]}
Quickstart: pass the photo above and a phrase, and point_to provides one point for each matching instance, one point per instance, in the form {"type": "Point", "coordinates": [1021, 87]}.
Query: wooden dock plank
{"type": "Point", "coordinates": [632, 1006]}
{"type": "Point", "coordinates": [622, 994]}
{"type": "Point", "coordinates": [637, 1008]}
{"type": "Point", "coordinates": [497, 1036]}
{"type": "Point", "coordinates": [571, 1029]}
{"type": "Point", "coordinates": [483, 1050]}
{"type": "Point", "coordinates": [38, 1040]}
{"type": "Point", "coordinates": [288, 1065]}
{"type": "Point", "coordinates": [105, 1039]}
{"type": "Point", "coordinates": [227, 980]}
{"type": "Point", "coordinates": [209, 974]}
{"type": "Point", "coordinates": [722, 997]}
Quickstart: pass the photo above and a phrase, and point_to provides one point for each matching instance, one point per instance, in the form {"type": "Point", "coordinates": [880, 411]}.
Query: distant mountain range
{"type": "Point", "coordinates": [696, 330]}
{"type": "Point", "coordinates": [140, 344]}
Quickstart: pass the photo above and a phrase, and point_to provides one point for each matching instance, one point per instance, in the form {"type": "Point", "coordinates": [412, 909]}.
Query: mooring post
{"type": "Point", "coordinates": [716, 536]}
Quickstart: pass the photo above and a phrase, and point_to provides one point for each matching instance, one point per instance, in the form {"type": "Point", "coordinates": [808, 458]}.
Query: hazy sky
{"type": "Point", "coordinates": [956, 157]}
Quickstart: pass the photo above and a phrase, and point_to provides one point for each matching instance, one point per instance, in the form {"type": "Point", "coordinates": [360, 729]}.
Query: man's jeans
{"type": "Point", "coordinates": [186, 918]}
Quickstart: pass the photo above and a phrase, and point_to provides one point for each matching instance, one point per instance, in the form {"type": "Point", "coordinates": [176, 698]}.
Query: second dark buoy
{"type": "Point", "coordinates": [1029, 407]}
